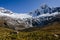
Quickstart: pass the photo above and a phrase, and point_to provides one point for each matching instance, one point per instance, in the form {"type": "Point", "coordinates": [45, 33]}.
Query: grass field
{"type": "Point", "coordinates": [50, 32]}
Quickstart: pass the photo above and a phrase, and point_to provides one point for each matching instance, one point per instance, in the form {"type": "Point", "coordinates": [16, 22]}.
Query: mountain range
{"type": "Point", "coordinates": [38, 18]}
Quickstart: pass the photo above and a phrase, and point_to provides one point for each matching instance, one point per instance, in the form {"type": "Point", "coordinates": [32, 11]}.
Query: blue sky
{"type": "Point", "coordinates": [22, 6]}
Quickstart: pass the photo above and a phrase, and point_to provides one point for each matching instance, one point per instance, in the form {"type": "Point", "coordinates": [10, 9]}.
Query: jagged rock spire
{"type": "Point", "coordinates": [43, 6]}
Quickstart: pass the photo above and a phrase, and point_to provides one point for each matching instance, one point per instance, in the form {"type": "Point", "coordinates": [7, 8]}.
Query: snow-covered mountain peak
{"type": "Point", "coordinates": [42, 10]}
{"type": "Point", "coordinates": [3, 10]}
{"type": "Point", "coordinates": [8, 13]}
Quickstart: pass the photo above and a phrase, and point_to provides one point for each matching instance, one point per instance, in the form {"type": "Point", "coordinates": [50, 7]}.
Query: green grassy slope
{"type": "Point", "coordinates": [50, 32]}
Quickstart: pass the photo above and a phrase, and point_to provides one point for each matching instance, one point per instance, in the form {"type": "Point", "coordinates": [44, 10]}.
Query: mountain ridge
{"type": "Point", "coordinates": [38, 18]}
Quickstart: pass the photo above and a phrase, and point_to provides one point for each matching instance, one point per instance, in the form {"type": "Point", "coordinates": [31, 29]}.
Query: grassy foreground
{"type": "Point", "coordinates": [51, 32]}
